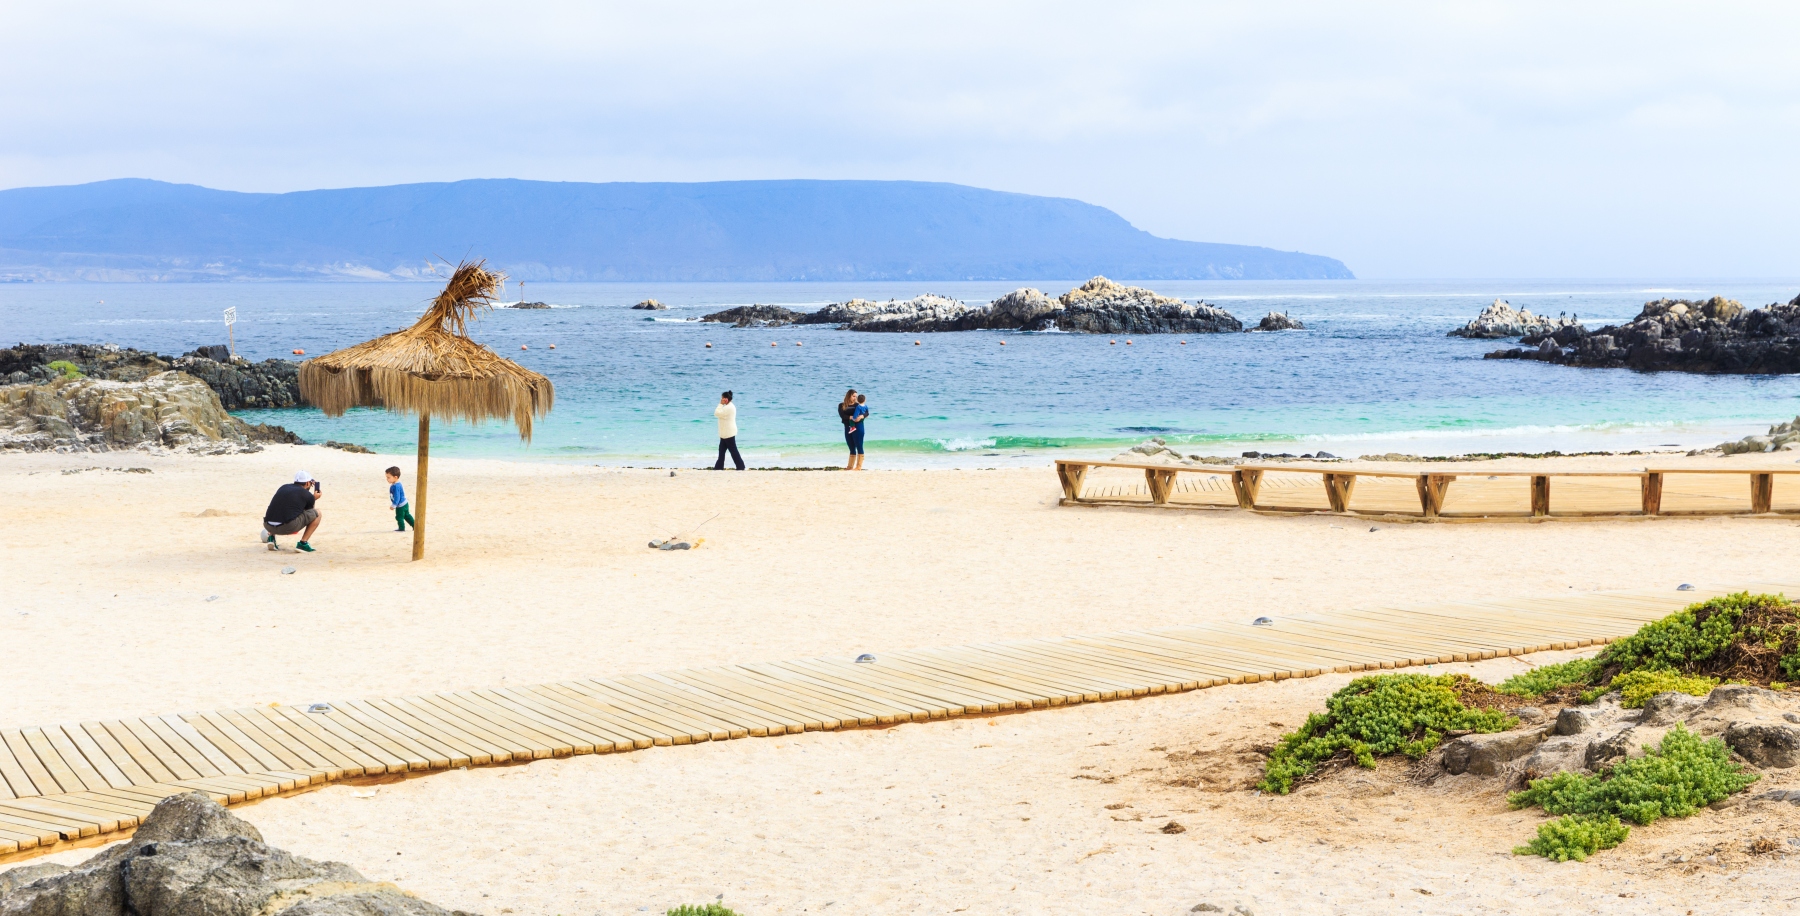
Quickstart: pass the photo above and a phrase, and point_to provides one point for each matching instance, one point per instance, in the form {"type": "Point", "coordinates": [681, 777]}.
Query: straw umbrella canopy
{"type": "Point", "coordinates": [432, 368]}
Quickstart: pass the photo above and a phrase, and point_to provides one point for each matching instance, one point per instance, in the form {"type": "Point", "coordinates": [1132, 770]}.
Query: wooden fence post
{"type": "Point", "coordinates": [1762, 492]}
{"type": "Point", "coordinates": [1071, 476]}
{"type": "Point", "coordinates": [1338, 488]}
{"type": "Point", "coordinates": [1245, 483]}
{"type": "Point", "coordinates": [1653, 482]}
{"type": "Point", "coordinates": [1540, 495]}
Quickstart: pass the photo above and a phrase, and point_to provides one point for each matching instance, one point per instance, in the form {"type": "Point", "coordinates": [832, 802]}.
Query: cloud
{"type": "Point", "coordinates": [1409, 139]}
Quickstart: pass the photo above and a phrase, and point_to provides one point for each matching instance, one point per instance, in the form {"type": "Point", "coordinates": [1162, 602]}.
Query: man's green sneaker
{"type": "Point", "coordinates": [304, 546]}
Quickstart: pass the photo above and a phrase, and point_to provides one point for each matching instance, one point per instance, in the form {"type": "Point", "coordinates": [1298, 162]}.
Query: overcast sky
{"type": "Point", "coordinates": [1407, 139]}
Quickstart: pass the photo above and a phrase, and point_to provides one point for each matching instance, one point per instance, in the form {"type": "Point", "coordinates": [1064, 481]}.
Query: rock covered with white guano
{"type": "Point", "coordinates": [1101, 306]}
{"type": "Point", "coordinates": [1502, 320]}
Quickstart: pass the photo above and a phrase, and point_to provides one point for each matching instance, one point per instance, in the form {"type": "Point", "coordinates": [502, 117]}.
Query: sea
{"type": "Point", "coordinates": [1372, 373]}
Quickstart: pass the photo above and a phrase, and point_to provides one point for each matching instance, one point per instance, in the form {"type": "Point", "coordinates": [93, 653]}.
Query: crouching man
{"type": "Point", "coordinates": [293, 511]}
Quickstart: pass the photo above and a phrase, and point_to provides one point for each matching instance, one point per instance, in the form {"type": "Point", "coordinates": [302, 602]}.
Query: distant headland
{"type": "Point", "coordinates": [133, 229]}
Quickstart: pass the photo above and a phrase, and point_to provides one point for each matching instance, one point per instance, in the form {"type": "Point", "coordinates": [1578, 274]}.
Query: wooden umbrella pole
{"type": "Point", "coordinates": [422, 476]}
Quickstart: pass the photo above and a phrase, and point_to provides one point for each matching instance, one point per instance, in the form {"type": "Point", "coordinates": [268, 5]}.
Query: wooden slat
{"type": "Point", "coordinates": [85, 781]}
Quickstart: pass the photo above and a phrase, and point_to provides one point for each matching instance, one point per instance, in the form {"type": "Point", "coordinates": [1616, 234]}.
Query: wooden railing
{"type": "Point", "coordinates": [1434, 487]}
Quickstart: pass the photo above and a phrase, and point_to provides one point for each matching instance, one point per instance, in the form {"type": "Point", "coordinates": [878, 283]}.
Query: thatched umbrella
{"type": "Point", "coordinates": [432, 368]}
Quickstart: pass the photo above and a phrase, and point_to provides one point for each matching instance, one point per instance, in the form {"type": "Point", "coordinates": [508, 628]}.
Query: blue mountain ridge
{"type": "Point", "coordinates": [139, 229]}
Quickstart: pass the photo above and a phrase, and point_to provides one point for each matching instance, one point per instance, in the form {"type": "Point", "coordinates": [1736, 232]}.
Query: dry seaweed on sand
{"type": "Point", "coordinates": [433, 368]}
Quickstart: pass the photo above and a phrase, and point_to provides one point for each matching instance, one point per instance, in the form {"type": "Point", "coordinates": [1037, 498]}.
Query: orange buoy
{"type": "Point", "coordinates": [553, 346]}
{"type": "Point", "coordinates": [771, 343]}
{"type": "Point", "coordinates": [709, 346]}
{"type": "Point", "coordinates": [799, 344]}
{"type": "Point", "coordinates": [1112, 343]}
{"type": "Point", "coordinates": [1127, 343]}
{"type": "Point", "coordinates": [1002, 343]}
{"type": "Point", "coordinates": [299, 352]}
{"type": "Point", "coordinates": [915, 343]}
{"type": "Point", "coordinates": [1184, 343]}
{"type": "Point", "coordinates": [523, 347]}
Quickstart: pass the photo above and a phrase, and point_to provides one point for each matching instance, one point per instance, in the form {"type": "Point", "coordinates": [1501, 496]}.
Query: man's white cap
{"type": "Point", "coordinates": [302, 477]}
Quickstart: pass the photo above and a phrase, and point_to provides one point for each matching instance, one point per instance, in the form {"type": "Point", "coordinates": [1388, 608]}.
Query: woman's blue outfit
{"type": "Point", "coordinates": [853, 434]}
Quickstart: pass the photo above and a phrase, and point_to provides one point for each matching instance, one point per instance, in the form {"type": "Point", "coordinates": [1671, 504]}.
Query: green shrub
{"type": "Point", "coordinates": [1678, 777]}
{"type": "Point", "coordinates": [1790, 666]}
{"type": "Point", "coordinates": [1682, 639]}
{"type": "Point", "coordinates": [711, 909]}
{"type": "Point", "coordinates": [68, 369]}
{"type": "Point", "coordinates": [1542, 680]}
{"type": "Point", "coordinates": [1377, 716]}
{"type": "Point", "coordinates": [1638, 686]}
{"type": "Point", "coordinates": [1570, 837]}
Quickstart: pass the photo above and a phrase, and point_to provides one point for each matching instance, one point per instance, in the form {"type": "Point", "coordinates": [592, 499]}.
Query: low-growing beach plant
{"type": "Point", "coordinates": [1740, 638]}
{"type": "Point", "coordinates": [1378, 716]}
{"type": "Point", "coordinates": [1678, 777]}
{"type": "Point", "coordinates": [1575, 837]}
{"type": "Point", "coordinates": [1638, 686]}
{"type": "Point", "coordinates": [1541, 680]}
{"type": "Point", "coordinates": [711, 909]}
{"type": "Point", "coordinates": [68, 369]}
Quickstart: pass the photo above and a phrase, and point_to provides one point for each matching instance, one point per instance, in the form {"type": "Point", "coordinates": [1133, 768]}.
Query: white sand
{"type": "Point", "coordinates": [539, 572]}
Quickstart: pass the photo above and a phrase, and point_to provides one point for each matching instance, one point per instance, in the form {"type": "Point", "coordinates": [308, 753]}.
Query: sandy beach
{"type": "Point", "coordinates": [139, 593]}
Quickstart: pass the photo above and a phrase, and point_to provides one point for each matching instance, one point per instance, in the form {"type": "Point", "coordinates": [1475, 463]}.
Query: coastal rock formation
{"type": "Point", "coordinates": [239, 383]}
{"type": "Point", "coordinates": [527, 305]}
{"type": "Point", "coordinates": [650, 305]}
{"type": "Point", "coordinates": [191, 856]}
{"type": "Point", "coordinates": [759, 316]}
{"type": "Point", "coordinates": [1781, 437]}
{"type": "Point", "coordinates": [1101, 306]}
{"type": "Point", "coordinates": [1716, 335]}
{"type": "Point", "coordinates": [1502, 320]}
{"type": "Point", "coordinates": [1278, 321]}
{"type": "Point", "coordinates": [929, 312]}
{"type": "Point", "coordinates": [168, 410]}
{"type": "Point", "coordinates": [1098, 306]}
{"type": "Point", "coordinates": [1762, 726]}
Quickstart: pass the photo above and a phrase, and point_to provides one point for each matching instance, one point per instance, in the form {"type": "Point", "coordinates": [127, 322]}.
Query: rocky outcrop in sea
{"type": "Point", "coordinates": [168, 410]}
{"type": "Point", "coordinates": [760, 316]}
{"type": "Point", "coordinates": [1502, 320]}
{"type": "Point", "coordinates": [1278, 321]}
{"type": "Point", "coordinates": [1716, 335]}
{"type": "Point", "coordinates": [527, 305]}
{"type": "Point", "coordinates": [240, 384]}
{"type": "Point", "coordinates": [191, 857]}
{"type": "Point", "coordinates": [1101, 306]}
{"type": "Point", "coordinates": [650, 305]}
{"type": "Point", "coordinates": [1098, 306]}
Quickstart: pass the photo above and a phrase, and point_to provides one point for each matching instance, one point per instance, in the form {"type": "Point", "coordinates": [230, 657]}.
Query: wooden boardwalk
{"type": "Point", "coordinates": [70, 783]}
{"type": "Point", "coordinates": [1447, 494]}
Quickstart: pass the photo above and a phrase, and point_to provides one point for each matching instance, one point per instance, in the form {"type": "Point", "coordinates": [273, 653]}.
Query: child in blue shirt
{"type": "Point", "coordinates": [397, 500]}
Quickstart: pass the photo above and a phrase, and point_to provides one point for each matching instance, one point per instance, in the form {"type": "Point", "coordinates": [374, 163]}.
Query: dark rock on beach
{"type": "Point", "coordinates": [1278, 321]}
{"type": "Point", "coordinates": [1098, 306]}
{"type": "Point", "coordinates": [168, 410]}
{"type": "Point", "coordinates": [650, 305]}
{"type": "Point", "coordinates": [240, 384]}
{"type": "Point", "coordinates": [191, 856]}
{"type": "Point", "coordinates": [1716, 336]}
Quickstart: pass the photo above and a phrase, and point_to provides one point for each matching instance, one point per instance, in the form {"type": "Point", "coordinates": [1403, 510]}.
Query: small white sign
{"type": "Point", "coordinates": [231, 316]}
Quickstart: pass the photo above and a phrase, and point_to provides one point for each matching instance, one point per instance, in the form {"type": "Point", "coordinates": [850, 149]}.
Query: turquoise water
{"type": "Point", "coordinates": [1373, 373]}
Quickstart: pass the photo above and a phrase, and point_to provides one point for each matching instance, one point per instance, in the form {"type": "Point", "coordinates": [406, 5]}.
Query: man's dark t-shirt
{"type": "Point", "coordinates": [290, 500]}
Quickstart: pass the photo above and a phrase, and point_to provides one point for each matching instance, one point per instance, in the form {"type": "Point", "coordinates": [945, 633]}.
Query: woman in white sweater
{"type": "Point", "coordinates": [726, 413]}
